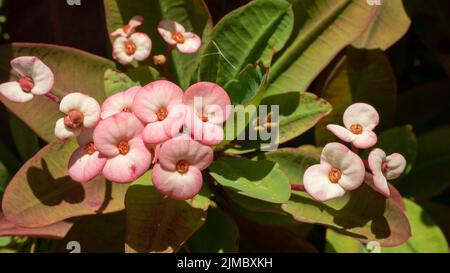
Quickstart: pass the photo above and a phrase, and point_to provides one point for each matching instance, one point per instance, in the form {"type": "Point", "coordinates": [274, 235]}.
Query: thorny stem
{"type": "Point", "coordinates": [53, 97]}
{"type": "Point", "coordinates": [297, 187]}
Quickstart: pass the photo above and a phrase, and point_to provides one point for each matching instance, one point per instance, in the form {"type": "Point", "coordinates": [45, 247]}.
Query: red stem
{"type": "Point", "coordinates": [355, 150]}
{"type": "Point", "coordinates": [297, 187]}
{"type": "Point", "coordinates": [53, 97]}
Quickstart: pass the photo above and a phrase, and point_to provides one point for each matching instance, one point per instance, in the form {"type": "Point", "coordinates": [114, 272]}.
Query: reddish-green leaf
{"type": "Point", "coordinates": [41, 193]}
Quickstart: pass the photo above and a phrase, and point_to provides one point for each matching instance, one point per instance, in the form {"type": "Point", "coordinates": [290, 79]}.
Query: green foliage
{"type": "Point", "coordinates": [426, 237]}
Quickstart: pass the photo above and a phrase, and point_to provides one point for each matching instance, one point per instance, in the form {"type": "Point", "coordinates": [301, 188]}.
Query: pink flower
{"type": "Point", "coordinates": [159, 105]}
{"type": "Point", "coordinates": [120, 102]}
{"type": "Point", "coordinates": [359, 119]}
{"type": "Point", "coordinates": [86, 163]}
{"type": "Point", "coordinates": [128, 29]}
{"type": "Point", "coordinates": [118, 138]}
{"type": "Point", "coordinates": [340, 170]}
{"type": "Point", "coordinates": [128, 49]}
{"type": "Point", "coordinates": [35, 78]}
{"type": "Point", "coordinates": [175, 34]}
{"type": "Point", "coordinates": [385, 168]}
{"type": "Point", "coordinates": [81, 112]}
{"type": "Point", "coordinates": [208, 108]}
{"type": "Point", "coordinates": [178, 171]}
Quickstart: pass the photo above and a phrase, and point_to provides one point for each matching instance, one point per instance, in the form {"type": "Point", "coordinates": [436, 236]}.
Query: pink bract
{"type": "Point", "coordinates": [128, 29]}
{"type": "Point", "coordinates": [178, 171]}
{"type": "Point", "coordinates": [360, 119]}
{"type": "Point", "coordinates": [340, 170]}
{"type": "Point", "coordinates": [208, 107]}
{"type": "Point", "coordinates": [120, 102]}
{"type": "Point", "coordinates": [118, 138]}
{"type": "Point", "coordinates": [86, 163]}
{"type": "Point", "coordinates": [385, 168]}
{"type": "Point", "coordinates": [159, 106]}
{"type": "Point", "coordinates": [137, 47]}
{"type": "Point", "coordinates": [35, 78]}
{"type": "Point", "coordinates": [175, 34]}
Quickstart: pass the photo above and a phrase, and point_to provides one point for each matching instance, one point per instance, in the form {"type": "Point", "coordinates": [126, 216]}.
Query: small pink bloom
{"type": "Point", "coordinates": [86, 163]}
{"type": "Point", "coordinates": [159, 105]}
{"type": "Point", "coordinates": [359, 119]}
{"type": "Point", "coordinates": [385, 168]}
{"type": "Point", "coordinates": [35, 78]}
{"type": "Point", "coordinates": [81, 112]}
{"type": "Point", "coordinates": [208, 108]}
{"type": "Point", "coordinates": [128, 29]}
{"type": "Point", "coordinates": [178, 171]}
{"type": "Point", "coordinates": [118, 138]}
{"type": "Point", "coordinates": [175, 34]}
{"type": "Point", "coordinates": [340, 170]}
{"type": "Point", "coordinates": [136, 47]}
{"type": "Point", "coordinates": [120, 102]}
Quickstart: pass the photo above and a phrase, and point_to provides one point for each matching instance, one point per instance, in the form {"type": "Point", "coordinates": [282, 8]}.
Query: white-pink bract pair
{"type": "Point", "coordinates": [384, 168]}
{"type": "Point", "coordinates": [165, 109]}
{"type": "Point", "coordinates": [176, 35]}
{"type": "Point", "coordinates": [34, 78]}
{"type": "Point", "coordinates": [131, 46]}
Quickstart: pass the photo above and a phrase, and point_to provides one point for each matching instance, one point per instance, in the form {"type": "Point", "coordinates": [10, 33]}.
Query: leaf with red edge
{"type": "Point", "coordinates": [156, 223]}
{"type": "Point", "coordinates": [74, 70]}
{"type": "Point", "coordinates": [56, 230]}
{"type": "Point", "coordinates": [41, 193]}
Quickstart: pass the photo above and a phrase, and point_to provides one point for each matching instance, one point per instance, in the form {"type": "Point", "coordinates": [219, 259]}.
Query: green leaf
{"type": "Point", "coordinates": [156, 223]}
{"type": "Point", "coordinates": [426, 236]}
{"type": "Point", "coordinates": [298, 112]}
{"type": "Point", "coordinates": [364, 76]}
{"type": "Point", "coordinates": [422, 104]}
{"type": "Point", "coordinates": [430, 174]}
{"type": "Point", "coordinates": [4, 178]}
{"type": "Point", "coordinates": [321, 30]}
{"type": "Point", "coordinates": [116, 82]}
{"type": "Point", "coordinates": [219, 234]}
{"type": "Point", "coordinates": [391, 22]}
{"type": "Point", "coordinates": [56, 231]}
{"type": "Point", "coordinates": [41, 193]}
{"type": "Point", "coordinates": [398, 140]}
{"type": "Point", "coordinates": [248, 85]}
{"type": "Point", "coordinates": [9, 159]}
{"type": "Point", "coordinates": [96, 234]}
{"type": "Point", "coordinates": [192, 14]}
{"type": "Point", "coordinates": [27, 143]}
{"type": "Point", "coordinates": [257, 179]}
{"type": "Point", "coordinates": [362, 213]}
{"type": "Point", "coordinates": [245, 36]}
{"type": "Point", "coordinates": [74, 70]}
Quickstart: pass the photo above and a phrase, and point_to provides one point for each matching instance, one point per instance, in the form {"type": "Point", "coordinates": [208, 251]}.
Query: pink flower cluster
{"type": "Point", "coordinates": [156, 124]}
{"type": "Point", "coordinates": [342, 170]}
{"type": "Point", "coordinates": [129, 45]}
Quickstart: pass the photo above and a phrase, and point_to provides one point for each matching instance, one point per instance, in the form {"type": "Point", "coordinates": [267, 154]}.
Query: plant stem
{"type": "Point", "coordinates": [355, 150]}
{"type": "Point", "coordinates": [298, 187]}
{"type": "Point", "coordinates": [53, 97]}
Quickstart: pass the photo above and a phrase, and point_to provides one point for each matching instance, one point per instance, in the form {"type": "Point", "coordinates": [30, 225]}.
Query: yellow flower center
{"type": "Point", "coordinates": [334, 175]}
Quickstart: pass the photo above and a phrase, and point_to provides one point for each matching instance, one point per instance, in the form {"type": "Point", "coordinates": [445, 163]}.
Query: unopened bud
{"type": "Point", "coordinates": [159, 59]}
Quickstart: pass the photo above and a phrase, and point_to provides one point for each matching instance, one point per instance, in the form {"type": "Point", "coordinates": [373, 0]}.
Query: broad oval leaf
{"type": "Point", "coordinates": [245, 36]}
{"type": "Point", "coordinates": [322, 29]}
{"type": "Point", "coordinates": [192, 14]}
{"type": "Point", "coordinates": [260, 179]}
{"type": "Point", "coordinates": [363, 76]}
{"type": "Point", "coordinates": [156, 223]}
{"type": "Point", "coordinates": [430, 174]}
{"type": "Point", "coordinates": [426, 236]}
{"type": "Point", "coordinates": [297, 113]}
{"type": "Point", "coordinates": [41, 193]}
{"type": "Point", "coordinates": [116, 81]}
{"type": "Point", "coordinates": [391, 22]}
{"type": "Point", "coordinates": [74, 70]}
{"type": "Point", "coordinates": [219, 234]}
